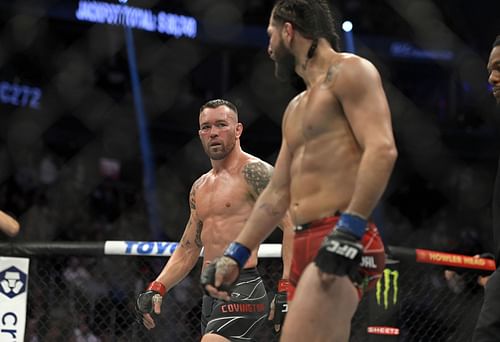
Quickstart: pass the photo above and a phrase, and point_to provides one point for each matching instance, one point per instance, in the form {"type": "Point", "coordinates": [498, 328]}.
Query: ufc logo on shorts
{"type": "Point", "coordinates": [344, 250]}
{"type": "Point", "coordinates": [285, 307]}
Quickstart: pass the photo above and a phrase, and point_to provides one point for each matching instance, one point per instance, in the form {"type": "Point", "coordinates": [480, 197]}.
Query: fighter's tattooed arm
{"type": "Point", "coordinates": [188, 239]}
{"type": "Point", "coordinates": [192, 194]}
{"type": "Point", "coordinates": [257, 176]}
{"type": "Point", "coordinates": [192, 234]}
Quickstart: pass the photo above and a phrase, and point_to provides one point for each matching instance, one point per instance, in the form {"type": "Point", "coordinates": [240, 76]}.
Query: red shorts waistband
{"type": "Point", "coordinates": [329, 220]}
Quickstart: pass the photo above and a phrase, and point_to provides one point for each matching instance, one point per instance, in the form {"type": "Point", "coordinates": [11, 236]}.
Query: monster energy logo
{"type": "Point", "coordinates": [387, 276]}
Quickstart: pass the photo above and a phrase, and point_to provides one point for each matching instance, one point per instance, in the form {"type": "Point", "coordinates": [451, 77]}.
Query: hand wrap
{"type": "Point", "coordinates": [238, 253]}
{"type": "Point", "coordinates": [208, 274]}
{"type": "Point", "coordinates": [234, 253]}
{"type": "Point", "coordinates": [145, 301]}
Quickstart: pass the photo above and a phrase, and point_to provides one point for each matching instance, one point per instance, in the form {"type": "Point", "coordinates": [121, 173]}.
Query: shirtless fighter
{"type": "Point", "coordinates": [336, 157]}
{"type": "Point", "coordinates": [221, 201]}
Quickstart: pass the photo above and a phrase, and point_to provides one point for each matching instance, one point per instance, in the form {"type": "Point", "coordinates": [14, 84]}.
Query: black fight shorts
{"type": "Point", "coordinates": [241, 317]}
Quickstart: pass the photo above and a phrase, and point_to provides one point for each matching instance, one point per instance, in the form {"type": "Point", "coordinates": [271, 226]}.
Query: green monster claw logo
{"type": "Point", "coordinates": [386, 278]}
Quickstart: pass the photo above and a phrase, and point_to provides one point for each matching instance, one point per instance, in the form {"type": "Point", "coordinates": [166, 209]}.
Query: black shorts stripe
{"type": "Point", "coordinates": [239, 318]}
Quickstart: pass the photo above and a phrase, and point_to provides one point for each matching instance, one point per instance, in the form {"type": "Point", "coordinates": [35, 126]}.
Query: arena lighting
{"type": "Point", "coordinates": [138, 18]}
{"type": "Point", "coordinates": [407, 50]}
{"type": "Point", "coordinates": [348, 36]}
{"type": "Point", "coordinates": [347, 26]}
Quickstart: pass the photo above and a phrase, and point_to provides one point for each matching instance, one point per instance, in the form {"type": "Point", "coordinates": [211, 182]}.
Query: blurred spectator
{"type": "Point", "coordinates": [32, 330]}
{"type": "Point", "coordinates": [82, 280]}
{"type": "Point", "coordinates": [75, 274]}
{"type": "Point", "coordinates": [49, 170]}
{"type": "Point", "coordinates": [105, 201]}
{"type": "Point", "coordinates": [21, 190]}
{"type": "Point", "coordinates": [82, 333]}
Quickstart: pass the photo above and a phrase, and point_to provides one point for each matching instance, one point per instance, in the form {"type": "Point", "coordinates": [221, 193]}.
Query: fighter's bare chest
{"type": "Point", "coordinates": [222, 196]}
{"type": "Point", "coordinates": [314, 114]}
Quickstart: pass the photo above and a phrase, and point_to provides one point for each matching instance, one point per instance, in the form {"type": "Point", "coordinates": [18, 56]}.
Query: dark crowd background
{"type": "Point", "coordinates": [72, 163]}
{"type": "Point", "coordinates": [80, 160]}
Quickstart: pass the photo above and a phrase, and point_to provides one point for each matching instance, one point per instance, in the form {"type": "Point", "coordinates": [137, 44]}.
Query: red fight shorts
{"type": "Point", "coordinates": [307, 242]}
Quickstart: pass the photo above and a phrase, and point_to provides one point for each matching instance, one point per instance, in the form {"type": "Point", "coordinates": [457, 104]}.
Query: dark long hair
{"type": "Point", "coordinates": [312, 18]}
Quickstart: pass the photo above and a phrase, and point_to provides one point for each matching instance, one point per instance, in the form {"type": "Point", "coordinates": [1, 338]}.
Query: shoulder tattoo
{"type": "Point", "coordinates": [329, 75]}
{"type": "Point", "coordinates": [257, 175]}
{"type": "Point", "coordinates": [332, 74]}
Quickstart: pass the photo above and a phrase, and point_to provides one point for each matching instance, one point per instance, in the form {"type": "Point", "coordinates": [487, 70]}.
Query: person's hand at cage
{"type": "Point", "coordinates": [483, 280]}
{"type": "Point", "coordinates": [456, 280]}
{"type": "Point", "coordinates": [483, 277]}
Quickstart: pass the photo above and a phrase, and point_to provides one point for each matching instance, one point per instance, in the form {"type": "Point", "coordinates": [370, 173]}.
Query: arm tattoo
{"type": "Point", "coordinates": [269, 209]}
{"type": "Point", "coordinates": [192, 202]}
{"type": "Point", "coordinates": [192, 194]}
{"type": "Point", "coordinates": [186, 242]}
{"type": "Point", "coordinates": [199, 227]}
{"type": "Point", "coordinates": [257, 175]}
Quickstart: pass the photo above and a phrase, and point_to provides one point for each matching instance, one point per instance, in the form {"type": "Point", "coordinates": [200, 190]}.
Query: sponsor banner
{"type": "Point", "coordinates": [138, 18]}
{"type": "Point", "coordinates": [162, 248]}
{"type": "Point", "coordinates": [387, 288]}
{"type": "Point", "coordinates": [381, 330]}
{"type": "Point", "coordinates": [384, 307]}
{"type": "Point", "coordinates": [142, 248]}
{"type": "Point", "coordinates": [13, 298]}
{"type": "Point", "coordinates": [455, 260]}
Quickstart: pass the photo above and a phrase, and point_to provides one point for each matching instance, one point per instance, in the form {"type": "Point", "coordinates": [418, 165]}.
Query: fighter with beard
{"type": "Point", "coordinates": [488, 323]}
{"type": "Point", "coordinates": [221, 201]}
{"type": "Point", "coordinates": [336, 157]}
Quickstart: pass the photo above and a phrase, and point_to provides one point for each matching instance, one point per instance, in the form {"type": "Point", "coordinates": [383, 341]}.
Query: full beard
{"type": "Point", "coordinates": [220, 153]}
{"type": "Point", "coordinates": [284, 65]}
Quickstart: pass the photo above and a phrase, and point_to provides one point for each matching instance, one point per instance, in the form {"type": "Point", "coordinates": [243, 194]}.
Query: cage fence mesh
{"type": "Point", "coordinates": [73, 296]}
{"type": "Point", "coordinates": [72, 168]}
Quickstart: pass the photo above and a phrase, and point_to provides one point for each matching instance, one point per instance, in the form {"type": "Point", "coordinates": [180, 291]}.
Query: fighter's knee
{"type": "Point", "coordinates": [213, 338]}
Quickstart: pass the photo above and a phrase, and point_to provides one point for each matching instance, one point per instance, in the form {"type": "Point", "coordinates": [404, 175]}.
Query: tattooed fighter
{"type": "Point", "coordinates": [221, 201]}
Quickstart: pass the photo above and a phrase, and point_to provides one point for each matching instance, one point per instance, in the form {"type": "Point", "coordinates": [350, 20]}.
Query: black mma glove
{"type": "Point", "coordinates": [280, 304]}
{"type": "Point", "coordinates": [341, 250]}
{"type": "Point", "coordinates": [208, 277]}
{"type": "Point", "coordinates": [145, 301]}
{"type": "Point", "coordinates": [235, 252]}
